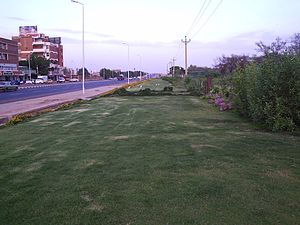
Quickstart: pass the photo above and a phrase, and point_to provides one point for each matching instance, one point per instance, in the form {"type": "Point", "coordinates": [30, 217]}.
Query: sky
{"type": "Point", "coordinates": [153, 29]}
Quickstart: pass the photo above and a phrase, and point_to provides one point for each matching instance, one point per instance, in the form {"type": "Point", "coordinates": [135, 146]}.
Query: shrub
{"type": "Point", "coordinates": [168, 88]}
{"type": "Point", "coordinates": [195, 86]}
{"type": "Point", "coordinates": [269, 92]}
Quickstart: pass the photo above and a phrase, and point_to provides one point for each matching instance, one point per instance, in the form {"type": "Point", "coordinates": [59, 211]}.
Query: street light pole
{"type": "Point", "coordinates": [140, 67]}
{"type": "Point", "coordinates": [124, 43]}
{"type": "Point", "coordinates": [29, 67]}
{"type": "Point", "coordinates": [83, 57]}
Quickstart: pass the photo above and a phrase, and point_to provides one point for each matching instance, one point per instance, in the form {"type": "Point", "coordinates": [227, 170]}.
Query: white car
{"type": "Point", "coordinates": [74, 80]}
{"type": "Point", "coordinates": [38, 81]}
{"type": "Point", "coordinates": [61, 80]}
{"type": "Point", "coordinates": [28, 82]}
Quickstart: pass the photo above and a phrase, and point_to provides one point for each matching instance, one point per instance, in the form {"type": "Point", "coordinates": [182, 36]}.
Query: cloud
{"type": "Point", "coordinates": [16, 18]}
{"type": "Point", "coordinates": [72, 32]}
{"type": "Point", "coordinates": [118, 42]}
{"type": "Point", "coordinates": [243, 43]}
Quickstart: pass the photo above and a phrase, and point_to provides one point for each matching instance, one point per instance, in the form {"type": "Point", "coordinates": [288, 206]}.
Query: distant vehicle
{"type": "Point", "coordinates": [15, 82]}
{"type": "Point", "coordinates": [121, 77]}
{"type": "Point", "coordinates": [38, 81]}
{"type": "Point", "coordinates": [49, 81]}
{"type": "Point", "coordinates": [28, 82]}
{"type": "Point", "coordinates": [61, 80]}
{"type": "Point", "coordinates": [44, 78]}
{"type": "Point", "coordinates": [74, 80]}
{"type": "Point", "coordinates": [7, 86]}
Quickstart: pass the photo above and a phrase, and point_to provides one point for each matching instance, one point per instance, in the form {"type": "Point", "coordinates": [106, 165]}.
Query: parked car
{"type": "Point", "coordinates": [61, 80]}
{"type": "Point", "coordinates": [7, 86]}
{"type": "Point", "coordinates": [38, 81]}
{"type": "Point", "coordinates": [15, 82]}
{"type": "Point", "coordinates": [74, 80]}
{"type": "Point", "coordinates": [28, 82]}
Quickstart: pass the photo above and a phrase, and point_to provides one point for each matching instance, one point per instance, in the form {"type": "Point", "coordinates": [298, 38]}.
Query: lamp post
{"type": "Point", "coordinates": [29, 67]}
{"type": "Point", "coordinates": [140, 67]}
{"type": "Point", "coordinates": [169, 64]}
{"type": "Point", "coordinates": [124, 43]}
{"type": "Point", "coordinates": [83, 58]}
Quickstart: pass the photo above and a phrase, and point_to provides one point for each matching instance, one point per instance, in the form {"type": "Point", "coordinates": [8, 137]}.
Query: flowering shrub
{"type": "Point", "coordinates": [222, 104]}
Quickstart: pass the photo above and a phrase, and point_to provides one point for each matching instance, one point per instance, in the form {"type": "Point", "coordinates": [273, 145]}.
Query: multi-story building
{"type": "Point", "coordinates": [9, 60]}
{"type": "Point", "coordinates": [50, 48]}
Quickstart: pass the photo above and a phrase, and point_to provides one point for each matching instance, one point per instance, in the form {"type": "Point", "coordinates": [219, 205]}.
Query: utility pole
{"type": "Point", "coordinates": [185, 41]}
{"type": "Point", "coordinates": [173, 66]}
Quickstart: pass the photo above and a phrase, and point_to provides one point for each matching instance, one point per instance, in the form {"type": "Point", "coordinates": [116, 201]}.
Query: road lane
{"type": "Point", "coordinates": [30, 93]}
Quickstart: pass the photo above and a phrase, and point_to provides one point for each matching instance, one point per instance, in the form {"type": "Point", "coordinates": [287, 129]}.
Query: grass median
{"type": "Point", "coordinates": [146, 160]}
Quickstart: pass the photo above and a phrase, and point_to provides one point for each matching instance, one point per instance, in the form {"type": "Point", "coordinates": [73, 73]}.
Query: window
{"type": "Point", "coordinates": [3, 45]}
{"type": "Point", "coordinates": [3, 56]}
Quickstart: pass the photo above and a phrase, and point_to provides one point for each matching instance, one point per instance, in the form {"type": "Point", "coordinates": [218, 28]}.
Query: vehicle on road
{"type": "Point", "coordinates": [38, 81]}
{"type": "Point", "coordinates": [15, 82]}
{"type": "Point", "coordinates": [44, 78]}
{"type": "Point", "coordinates": [121, 77]}
{"type": "Point", "coordinates": [7, 86]}
{"type": "Point", "coordinates": [28, 82]}
{"type": "Point", "coordinates": [61, 80]}
{"type": "Point", "coordinates": [74, 80]}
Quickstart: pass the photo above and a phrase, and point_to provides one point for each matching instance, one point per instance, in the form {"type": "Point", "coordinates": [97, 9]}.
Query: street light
{"type": "Point", "coordinates": [83, 58]}
{"type": "Point", "coordinates": [29, 67]}
{"type": "Point", "coordinates": [124, 43]}
{"type": "Point", "coordinates": [140, 67]}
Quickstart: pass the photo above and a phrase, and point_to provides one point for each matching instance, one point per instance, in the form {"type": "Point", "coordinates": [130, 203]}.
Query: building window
{"type": "Point", "coordinates": [3, 56]}
{"type": "Point", "coordinates": [3, 46]}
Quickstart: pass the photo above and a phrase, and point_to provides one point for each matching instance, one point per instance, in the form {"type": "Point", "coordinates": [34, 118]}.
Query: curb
{"type": "Point", "coordinates": [39, 86]}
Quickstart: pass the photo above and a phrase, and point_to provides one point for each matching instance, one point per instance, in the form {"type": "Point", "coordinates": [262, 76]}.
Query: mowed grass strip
{"type": "Point", "coordinates": [146, 160]}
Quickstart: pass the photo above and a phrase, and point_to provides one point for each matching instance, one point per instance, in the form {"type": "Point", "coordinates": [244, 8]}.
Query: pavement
{"type": "Point", "coordinates": [8, 110]}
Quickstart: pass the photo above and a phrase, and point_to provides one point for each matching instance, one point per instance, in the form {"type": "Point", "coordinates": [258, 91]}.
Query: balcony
{"type": "Point", "coordinates": [39, 50]}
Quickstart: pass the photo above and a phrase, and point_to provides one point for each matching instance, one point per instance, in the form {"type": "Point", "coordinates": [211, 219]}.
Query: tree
{"type": "Point", "coordinates": [228, 64]}
{"type": "Point", "coordinates": [107, 73]}
{"type": "Point", "coordinates": [276, 48]}
{"type": "Point", "coordinates": [295, 44]}
{"type": "Point", "coordinates": [195, 71]}
{"type": "Point", "coordinates": [86, 72]}
{"type": "Point", "coordinates": [40, 64]}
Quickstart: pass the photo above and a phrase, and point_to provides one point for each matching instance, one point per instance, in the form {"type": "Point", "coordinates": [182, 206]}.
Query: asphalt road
{"type": "Point", "coordinates": [29, 93]}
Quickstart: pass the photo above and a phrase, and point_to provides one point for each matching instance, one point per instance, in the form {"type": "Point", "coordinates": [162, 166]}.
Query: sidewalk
{"type": "Point", "coordinates": [8, 110]}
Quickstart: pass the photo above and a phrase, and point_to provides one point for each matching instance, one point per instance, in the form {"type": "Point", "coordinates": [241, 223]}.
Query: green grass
{"type": "Point", "coordinates": [146, 160]}
{"type": "Point", "coordinates": [154, 84]}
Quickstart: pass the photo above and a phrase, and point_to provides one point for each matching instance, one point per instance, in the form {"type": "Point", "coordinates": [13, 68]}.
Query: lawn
{"type": "Point", "coordinates": [147, 160]}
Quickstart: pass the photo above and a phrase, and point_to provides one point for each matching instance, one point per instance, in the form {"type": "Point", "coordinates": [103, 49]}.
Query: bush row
{"type": "Point", "coordinates": [269, 92]}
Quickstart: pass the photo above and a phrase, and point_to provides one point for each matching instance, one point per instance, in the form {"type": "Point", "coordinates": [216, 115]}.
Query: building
{"type": "Point", "coordinates": [9, 60]}
{"type": "Point", "coordinates": [50, 48]}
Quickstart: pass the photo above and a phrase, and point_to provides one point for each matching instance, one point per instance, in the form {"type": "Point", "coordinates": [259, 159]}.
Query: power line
{"type": "Point", "coordinates": [198, 17]}
{"type": "Point", "coordinates": [207, 20]}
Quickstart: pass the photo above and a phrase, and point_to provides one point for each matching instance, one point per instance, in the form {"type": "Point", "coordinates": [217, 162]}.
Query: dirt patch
{"type": "Point", "coordinates": [35, 166]}
{"type": "Point", "coordinates": [200, 147]}
{"type": "Point", "coordinates": [279, 174]}
{"type": "Point", "coordinates": [72, 123]}
{"type": "Point", "coordinates": [88, 163]}
{"type": "Point", "coordinates": [118, 138]}
{"type": "Point", "coordinates": [96, 207]}
{"type": "Point", "coordinates": [93, 205]}
{"type": "Point", "coordinates": [86, 197]}
{"type": "Point", "coordinates": [79, 110]}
